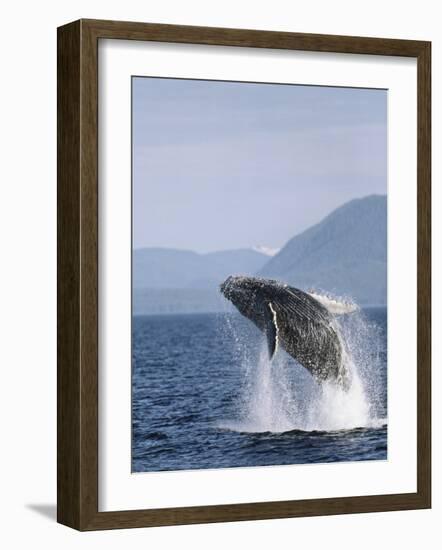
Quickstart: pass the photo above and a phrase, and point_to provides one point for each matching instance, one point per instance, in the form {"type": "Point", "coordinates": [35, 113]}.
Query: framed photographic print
{"type": "Point", "coordinates": [243, 275]}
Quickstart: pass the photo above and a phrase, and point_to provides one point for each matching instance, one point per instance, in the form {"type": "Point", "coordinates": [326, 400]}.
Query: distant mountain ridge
{"type": "Point", "coordinates": [173, 268]}
{"type": "Point", "coordinates": [345, 254]}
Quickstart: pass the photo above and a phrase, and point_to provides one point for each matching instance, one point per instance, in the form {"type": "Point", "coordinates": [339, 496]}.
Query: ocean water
{"type": "Point", "coordinates": [205, 395]}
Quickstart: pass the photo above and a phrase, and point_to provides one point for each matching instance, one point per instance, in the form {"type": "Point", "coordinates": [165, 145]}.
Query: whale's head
{"type": "Point", "coordinates": [239, 289]}
{"type": "Point", "coordinates": [250, 295]}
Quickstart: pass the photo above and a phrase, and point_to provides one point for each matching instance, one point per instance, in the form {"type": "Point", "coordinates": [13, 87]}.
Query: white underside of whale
{"type": "Point", "coordinates": [333, 305]}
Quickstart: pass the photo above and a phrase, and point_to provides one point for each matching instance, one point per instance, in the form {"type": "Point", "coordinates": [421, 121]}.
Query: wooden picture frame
{"type": "Point", "coordinates": [78, 274]}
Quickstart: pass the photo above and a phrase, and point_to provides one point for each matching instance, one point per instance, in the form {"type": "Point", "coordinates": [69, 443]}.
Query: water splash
{"type": "Point", "coordinates": [280, 395]}
{"type": "Point", "coordinates": [266, 403]}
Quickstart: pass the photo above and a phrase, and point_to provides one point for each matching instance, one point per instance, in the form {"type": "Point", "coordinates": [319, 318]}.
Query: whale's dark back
{"type": "Point", "coordinates": [304, 327]}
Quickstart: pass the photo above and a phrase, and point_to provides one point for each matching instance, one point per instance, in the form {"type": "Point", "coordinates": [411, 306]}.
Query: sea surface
{"type": "Point", "coordinates": [204, 395]}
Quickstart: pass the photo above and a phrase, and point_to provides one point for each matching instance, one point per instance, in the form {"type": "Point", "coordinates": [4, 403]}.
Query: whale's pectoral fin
{"type": "Point", "coordinates": [271, 329]}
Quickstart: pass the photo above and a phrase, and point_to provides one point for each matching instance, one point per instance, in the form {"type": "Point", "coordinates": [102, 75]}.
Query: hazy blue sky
{"type": "Point", "coordinates": [220, 165]}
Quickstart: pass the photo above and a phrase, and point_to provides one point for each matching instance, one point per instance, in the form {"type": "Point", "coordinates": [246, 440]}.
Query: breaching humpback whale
{"type": "Point", "coordinates": [293, 319]}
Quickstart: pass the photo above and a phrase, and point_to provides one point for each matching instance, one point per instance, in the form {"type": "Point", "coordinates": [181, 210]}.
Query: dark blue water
{"type": "Point", "coordinates": [205, 396]}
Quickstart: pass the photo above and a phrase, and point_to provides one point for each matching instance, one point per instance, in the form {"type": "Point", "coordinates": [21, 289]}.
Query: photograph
{"type": "Point", "coordinates": [259, 274]}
